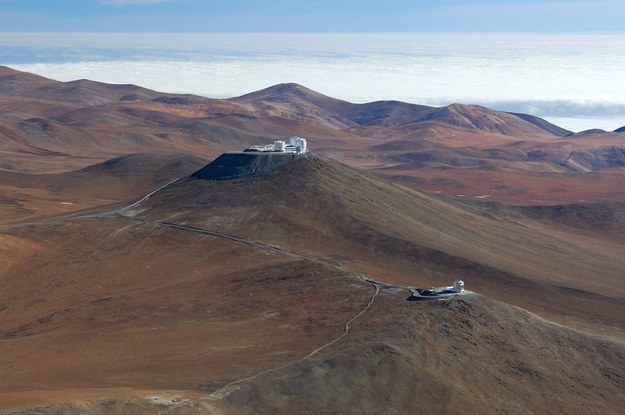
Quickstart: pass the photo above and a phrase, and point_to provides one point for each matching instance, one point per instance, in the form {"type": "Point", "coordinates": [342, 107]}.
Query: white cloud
{"type": "Point", "coordinates": [565, 76]}
{"type": "Point", "coordinates": [122, 3]}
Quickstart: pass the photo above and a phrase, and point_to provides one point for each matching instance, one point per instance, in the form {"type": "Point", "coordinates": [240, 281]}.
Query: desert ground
{"type": "Point", "coordinates": [135, 280]}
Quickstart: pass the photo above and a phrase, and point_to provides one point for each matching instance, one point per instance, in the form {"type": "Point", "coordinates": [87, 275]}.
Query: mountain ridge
{"type": "Point", "coordinates": [458, 115]}
{"type": "Point", "coordinates": [290, 285]}
{"type": "Point", "coordinates": [64, 126]}
{"type": "Point", "coordinates": [315, 204]}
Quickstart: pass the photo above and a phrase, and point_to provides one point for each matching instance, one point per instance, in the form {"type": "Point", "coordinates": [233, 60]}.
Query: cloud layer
{"type": "Point", "coordinates": [558, 76]}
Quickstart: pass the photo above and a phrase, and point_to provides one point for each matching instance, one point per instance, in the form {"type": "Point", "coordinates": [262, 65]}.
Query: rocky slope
{"type": "Point", "coordinates": [240, 164]}
{"type": "Point", "coordinates": [53, 126]}
{"type": "Point", "coordinates": [248, 295]}
{"type": "Point", "coordinates": [315, 205]}
{"type": "Point", "coordinates": [452, 356]}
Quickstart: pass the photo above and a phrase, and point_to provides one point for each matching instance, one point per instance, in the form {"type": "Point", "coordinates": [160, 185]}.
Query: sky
{"type": "Point", "coordinates": [311, 15]}
{"type": "Point", "coordinates": [562, 60]}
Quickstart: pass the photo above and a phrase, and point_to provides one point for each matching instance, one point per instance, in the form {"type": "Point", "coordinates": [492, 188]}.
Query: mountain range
{"type": "Point", "coordinates": [135, 281]}
{"type": "Point", "coordinates": [77, 123]}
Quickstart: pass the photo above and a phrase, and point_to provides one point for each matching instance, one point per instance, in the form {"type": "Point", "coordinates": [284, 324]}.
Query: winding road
{"type": "Point", "coordinates": [225, 390]}
{"type": "Point", "coordinates": [231, 386]}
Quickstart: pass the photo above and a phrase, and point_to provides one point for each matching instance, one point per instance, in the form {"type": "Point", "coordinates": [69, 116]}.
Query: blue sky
{"type": "Point", "coordinates": [561, 59]}
{"type": "Point", "coordinates": [311, 15]}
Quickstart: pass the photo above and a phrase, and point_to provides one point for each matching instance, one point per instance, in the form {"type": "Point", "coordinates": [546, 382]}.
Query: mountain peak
{"type": "Point", "coordinates": [289, 88]}
{"type": "Point", "coordinates": [458, 107]}
{"type": "Point", "coordinates": [286, 87]}
{"type": "Point", "coordinates": [292, 93]}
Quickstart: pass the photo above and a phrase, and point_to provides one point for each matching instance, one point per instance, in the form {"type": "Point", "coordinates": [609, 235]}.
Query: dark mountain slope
{"type": "Point", "coordinates": [315, 205]}
{"type": "Point", "coordinates": [469, 355]}
{"type": "Point", "coordinates": [543, 124]}
{"type": "Point", "coordinates": [243, 164]}
{"type": "Point", "coordinates": [247, 296]}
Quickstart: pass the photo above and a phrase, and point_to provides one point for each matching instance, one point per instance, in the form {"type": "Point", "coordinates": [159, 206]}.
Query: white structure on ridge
{"type": "Point", "coordinates": [455, 289]}
{"type": "Point", "coordinates": [296, 145]}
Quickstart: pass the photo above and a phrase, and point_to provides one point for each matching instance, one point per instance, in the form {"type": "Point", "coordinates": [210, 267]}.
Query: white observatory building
{"type": "Point", "coordinates": [296, 145]}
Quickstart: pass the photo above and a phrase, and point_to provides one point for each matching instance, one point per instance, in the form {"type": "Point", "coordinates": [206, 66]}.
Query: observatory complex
{"type": "Point", "coordinates": [296, 145]}
{"type": "Point", "coordinates": [456, 289]}
{"type": "Point", "coordinates": [254, 160]}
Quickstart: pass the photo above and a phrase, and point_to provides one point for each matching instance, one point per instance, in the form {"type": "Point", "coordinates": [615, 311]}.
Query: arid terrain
{"type": "Point", "coordinates": [50, 126]}
{"type": "Point", "coordinates": [134, 280]}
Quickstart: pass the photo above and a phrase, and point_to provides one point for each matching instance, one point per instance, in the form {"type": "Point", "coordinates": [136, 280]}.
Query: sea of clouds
{"type": "Point", "coordinates": [574, 80]}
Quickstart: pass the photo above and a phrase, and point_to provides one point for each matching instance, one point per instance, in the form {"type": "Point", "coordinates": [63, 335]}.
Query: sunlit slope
{"type": "Point", "coordinates": [471, 355]}
{"type": "Point", "coordinates": [237, 294]}
{"type": "Point", "coordinates": [123, 304]}
{"type": "Point", "coordinates": [323, 208]}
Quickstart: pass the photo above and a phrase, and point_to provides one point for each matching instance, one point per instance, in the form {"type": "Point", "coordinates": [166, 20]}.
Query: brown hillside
{"type": "Point", "coordinates": [30, 196]}
{"type": "Point", "coordinates": [459, 356]}
{"type": "Point", "coordinates": [459, 150]}
{"type": "Point", "coordinates": [248, 296]}
{"type": "Point", "coordinates": [325, 209]}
